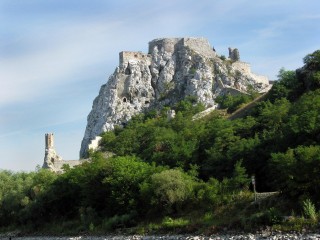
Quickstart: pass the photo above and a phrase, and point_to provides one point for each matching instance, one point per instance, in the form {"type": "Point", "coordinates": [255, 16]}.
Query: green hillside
{"type": "Point", "coordinates": [187, 175]}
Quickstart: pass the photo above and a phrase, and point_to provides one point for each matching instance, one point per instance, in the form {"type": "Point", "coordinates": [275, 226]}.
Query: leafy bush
{"type": "Point", "coordinates": [309, 210]}
{"type": "Point", "coordinates": [119, 221]}
{"type": "Point", "coordinates": [223, 57]}
{"type": "Point", "coordinates": [170, 223]}
{"type": "Point", "coordinates": [232, 102]}
{"type": "Point", "coordinates": [171, 188]}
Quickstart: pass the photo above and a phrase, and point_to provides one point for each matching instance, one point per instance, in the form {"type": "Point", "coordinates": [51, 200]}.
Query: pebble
{"type": "Point", "coordinates": [276, 236]}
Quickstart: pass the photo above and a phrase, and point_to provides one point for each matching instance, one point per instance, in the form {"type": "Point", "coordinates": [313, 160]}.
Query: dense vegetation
{"type": "Point", "coordinates": [185, 174]}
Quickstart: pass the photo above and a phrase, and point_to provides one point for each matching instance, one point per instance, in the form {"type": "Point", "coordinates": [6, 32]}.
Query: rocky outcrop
{"type": "Point", "coordinates": [173, 69]}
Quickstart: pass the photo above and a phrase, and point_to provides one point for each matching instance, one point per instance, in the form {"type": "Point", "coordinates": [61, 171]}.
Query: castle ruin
{"type": "Point", "coordinates": [170, 45]}
{"type": "Point", "coordinates": [126, 56]}
{"type": "Point", "coordinates": [52, 160]}
{"type": "Point", "coordinates": [172, 69]}
{"type": "Point", "coordinates": [199, 45]}
{"type": "Point", "coordinates": [234, 54]}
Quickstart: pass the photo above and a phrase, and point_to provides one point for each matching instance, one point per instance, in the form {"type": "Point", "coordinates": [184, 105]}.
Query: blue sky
{"type": "Point", "coordinates": [55, 55]}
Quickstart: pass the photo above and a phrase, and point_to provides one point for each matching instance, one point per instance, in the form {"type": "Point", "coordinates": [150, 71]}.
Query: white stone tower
{"type": "Point", "coordinates": [50, 156]}
{"type": "Point", "coordinates": [49, 141]}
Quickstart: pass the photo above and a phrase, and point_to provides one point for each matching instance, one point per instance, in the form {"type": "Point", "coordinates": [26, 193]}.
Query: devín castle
{"type": "Point", "coordinates": [188, 66]}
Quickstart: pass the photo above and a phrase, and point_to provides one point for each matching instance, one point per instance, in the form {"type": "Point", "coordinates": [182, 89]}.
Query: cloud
{"type": "Point", "coordinates": [66, 54]}
{"type": "Point", "coordinates": [54, 54]}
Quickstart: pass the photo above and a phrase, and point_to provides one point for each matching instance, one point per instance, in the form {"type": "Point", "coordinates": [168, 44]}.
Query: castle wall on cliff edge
{"type": "Point", "coordinates": [200, 45]}
{"type": "Point", "coordinates": [126, 56]}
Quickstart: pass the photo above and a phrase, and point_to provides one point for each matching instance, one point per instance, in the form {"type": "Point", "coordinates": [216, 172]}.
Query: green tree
{"type": "Point", "coordinates": [288, 86]}
{"type": "Point", "coordinates": [304, 115]}
{"type": "Point", "coordinates": [295, 172]}
{"type": "Point", "coordinates": [171, 188]}
{"type": "Point", "coordinates": [240, 179]}
{"type": "Point", "coordinates": [125, 174]}
{"type": "Point", "coordinates": [309, 74]}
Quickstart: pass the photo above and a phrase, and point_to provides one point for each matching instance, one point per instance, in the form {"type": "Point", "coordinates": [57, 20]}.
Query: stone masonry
{"type": "Point", "coordinates": [52, 160]}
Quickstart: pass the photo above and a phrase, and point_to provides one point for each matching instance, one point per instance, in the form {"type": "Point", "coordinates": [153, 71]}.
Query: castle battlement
{"type": "Point", "coordinates": [49, 140]}
{"type": "Point", "coordinates": [126, 56]}
{"type": "Point", "coordinates": [168, 44]}
{"type": "Point", "coordinates": [200, 45]}
{"type": "Point", "coordinates": [245, 68]}
{"type": "Point", "coordinates": [52, 160]}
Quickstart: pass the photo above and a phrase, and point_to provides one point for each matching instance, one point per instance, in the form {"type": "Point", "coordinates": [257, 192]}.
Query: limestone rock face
{"type": "Point", "coordinates": [173, 69]}
{"type": "Point", "coordinates": [50, 158]}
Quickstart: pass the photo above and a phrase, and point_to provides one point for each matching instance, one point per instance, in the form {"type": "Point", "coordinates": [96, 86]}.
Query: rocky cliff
{"type": "Point", "coordinates": [173, 69]}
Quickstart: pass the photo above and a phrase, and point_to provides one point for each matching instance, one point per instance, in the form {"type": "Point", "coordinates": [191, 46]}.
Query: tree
{"type": "Point", "coordinates": [296, 172]}
{"type": "Point", "coordinates": [123, 179]}
{"type": "Point", "coordinates": [309, 74]}
{"type": "Point", "coordinates": [312, 61]}
{"type": "Point", "coordinates": [240, 179]}
{"type": "Point", "coordinates": [304, 116]}
{"type": "Point", "coordinates": [171, 188]}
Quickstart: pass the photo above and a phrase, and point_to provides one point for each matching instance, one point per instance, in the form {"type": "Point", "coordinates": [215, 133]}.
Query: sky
{"type": "Point", "coordinates": [56, 54]}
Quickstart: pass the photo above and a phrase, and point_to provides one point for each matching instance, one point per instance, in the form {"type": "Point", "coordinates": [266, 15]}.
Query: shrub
{"type": "Point", "coordinates": [170, 223]}
{"type": "Point", "coordinates": [171, 188]}
{"type": "Point", "coordinates": [309, 210]}
{"type": "Point", "coordinates": [223, 57]}
{"type": "Point", "coordinates": [119, 221]}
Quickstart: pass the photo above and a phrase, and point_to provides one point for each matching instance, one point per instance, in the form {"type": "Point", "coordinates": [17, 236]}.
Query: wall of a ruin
{"type": "Point", "coordinates": [49, 140]}
{"type": "Point", "coordinates": [168, 44]}
{"type": "Point", "coordinates": [242, 67]}
{"type": "Point", "coordinates": [126, 56]}
{"type": "Point", "coordinates": [246, 69]}
{"type": "Point", "coordinates": [199, 45]}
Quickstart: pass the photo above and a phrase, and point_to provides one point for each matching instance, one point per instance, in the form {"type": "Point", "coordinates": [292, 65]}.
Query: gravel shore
{"type": "Point", "coordinates": [275, 236]}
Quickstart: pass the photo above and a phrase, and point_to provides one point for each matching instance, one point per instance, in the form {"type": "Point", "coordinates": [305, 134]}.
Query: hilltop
{"type": "Point", "coordinates": [173, 69]}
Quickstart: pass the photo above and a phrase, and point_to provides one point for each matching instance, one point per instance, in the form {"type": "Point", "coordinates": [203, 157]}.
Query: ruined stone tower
{"type": "Point", "coordinates": [52, 160]}
{"type": "Point", "coordinates": [50, 157]}
{"type": "Point", "coordinates": [49, 141]}
{"type": "Point", "coordinates": [234, 54]}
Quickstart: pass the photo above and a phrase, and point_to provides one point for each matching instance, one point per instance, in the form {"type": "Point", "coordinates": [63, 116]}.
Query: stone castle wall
{"type": "Point", "coordinates": [261, 78]}
{"type": "Point", "coordinates": [58, 165]}
{"type": "Point", "coordinates": [52, 160]}
{"type": "Point", "coordinates": [126, 56]}
{"type": "Point", "coordinates": [199, 45]}
{"type": "Point", "coordinates": [168, 44]}
{"type": "Point", "coordinates": [242, 67]}
{"type": "Point", "coordinates": [245, 68]}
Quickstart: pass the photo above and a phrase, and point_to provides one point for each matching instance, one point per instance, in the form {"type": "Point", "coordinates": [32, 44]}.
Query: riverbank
{"type": "Point", "coordinates": [273, 236]}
